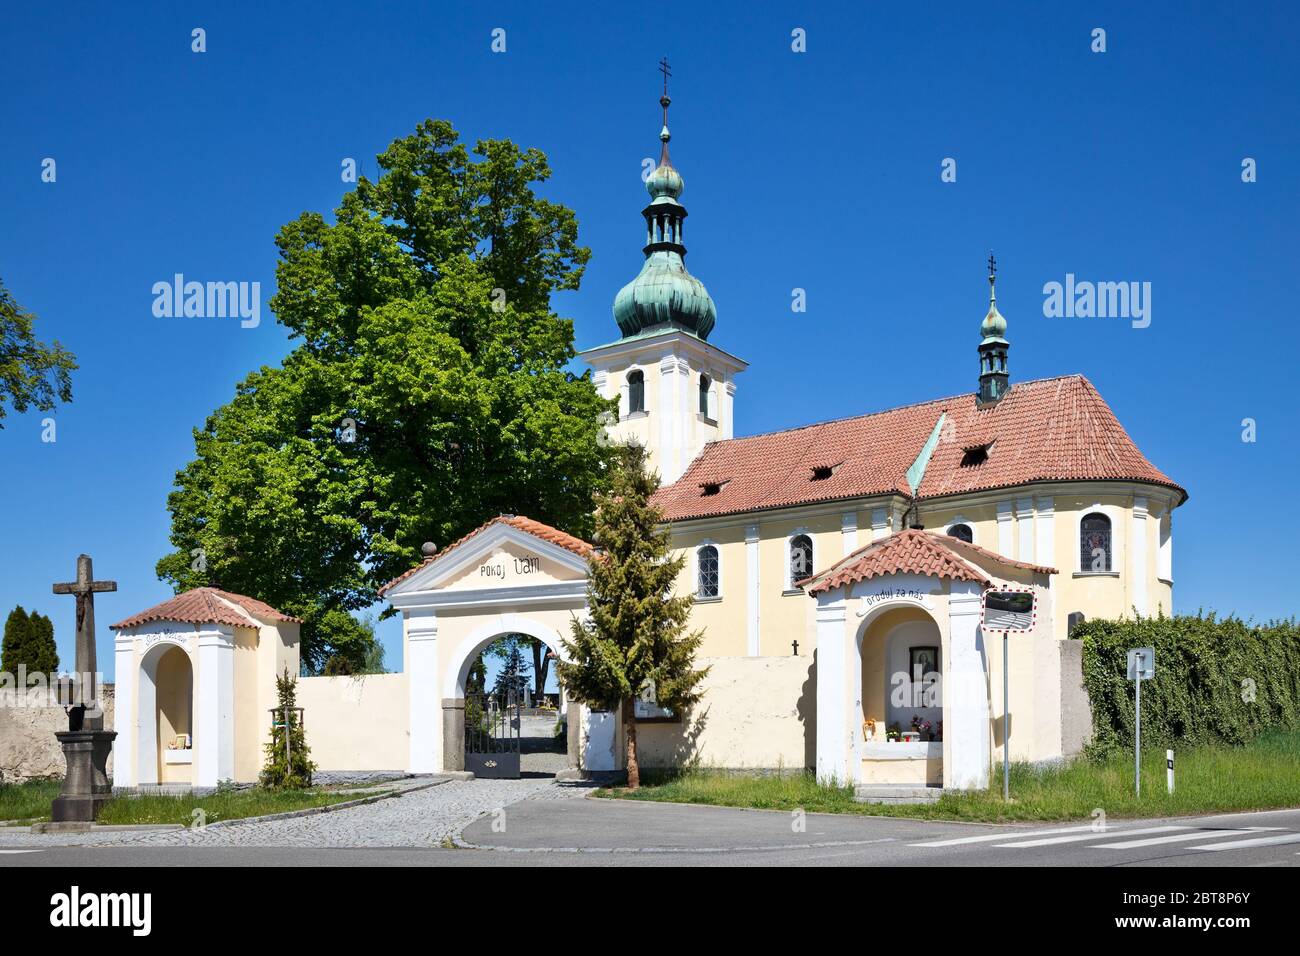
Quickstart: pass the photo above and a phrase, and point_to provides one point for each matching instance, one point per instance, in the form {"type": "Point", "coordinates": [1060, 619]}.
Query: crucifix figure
{"type": "Point", "coordinates": [86, 693]}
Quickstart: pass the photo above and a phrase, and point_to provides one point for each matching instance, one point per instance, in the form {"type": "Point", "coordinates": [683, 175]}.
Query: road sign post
{"type": "Point", "coordinates": [1141, 666]}
{"type": "Point", "coordinates": [1007, 610]}
{"type": "Point", "coordinates": [1169, 770]}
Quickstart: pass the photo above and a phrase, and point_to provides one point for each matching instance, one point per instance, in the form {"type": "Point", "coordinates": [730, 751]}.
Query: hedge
{"type": "Point", "coordinates": [1216, 680]}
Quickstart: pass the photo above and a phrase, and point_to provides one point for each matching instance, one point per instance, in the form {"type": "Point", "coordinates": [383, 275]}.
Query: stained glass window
{"type": "Point", "coordinates": [1094, 543]}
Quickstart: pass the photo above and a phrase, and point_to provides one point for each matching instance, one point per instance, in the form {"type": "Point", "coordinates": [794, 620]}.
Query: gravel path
{"type": "Point", "coordinates": [429, 817]}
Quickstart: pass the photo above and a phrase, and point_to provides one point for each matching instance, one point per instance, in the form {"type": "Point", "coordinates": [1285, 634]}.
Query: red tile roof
{"type": "Point", "coordinates": [911, 552]}
{"type": "Point", "coordinates": [207, 606]}
{"type": "Point", "coordinates": [527, 525]}
{"type": "Point", "coordinates": [1050, 429]}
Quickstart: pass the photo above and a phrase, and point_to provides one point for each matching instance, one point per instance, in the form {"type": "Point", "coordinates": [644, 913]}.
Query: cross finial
{"type": "Point", "coordinates": [993, 266]}
{"type": "Point", "coordinates": [663, 68]}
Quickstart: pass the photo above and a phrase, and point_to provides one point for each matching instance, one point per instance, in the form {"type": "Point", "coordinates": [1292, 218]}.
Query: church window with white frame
{"type": "Point", "coordinates": [1095, 544]}
{"type": "Point", "coordinates": [635, 391]}
{"type": "Point", "coordinates": [706, 572]}
{"type": "Point", "coordinates": [800, 559]}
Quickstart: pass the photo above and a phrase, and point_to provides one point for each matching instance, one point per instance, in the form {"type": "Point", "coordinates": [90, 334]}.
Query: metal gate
{"type": "Point", "coordinates": [492, 735]}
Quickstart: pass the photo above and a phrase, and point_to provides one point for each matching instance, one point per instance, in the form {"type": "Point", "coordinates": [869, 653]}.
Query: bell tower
{"type": "Point", "coordinates": [676, 390]}
{"type": "Point", "coordinates": [993, 347]}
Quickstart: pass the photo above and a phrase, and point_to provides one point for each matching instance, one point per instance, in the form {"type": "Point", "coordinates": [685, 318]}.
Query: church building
{"type": "Point", "coordinates": [856, 580]}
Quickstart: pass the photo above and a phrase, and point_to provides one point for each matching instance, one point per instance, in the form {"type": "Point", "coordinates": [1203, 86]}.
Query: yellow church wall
{"type": "Point", "coordinates": [248, 718]}
{"type": "Point", "coordinates": [756, 713]}
{"type": "Point", "coordinates": [356, 723]}
{"type": "Point", "coordinates": [786, 613]}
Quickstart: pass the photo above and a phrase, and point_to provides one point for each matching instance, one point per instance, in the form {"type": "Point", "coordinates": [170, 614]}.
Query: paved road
{"type": "Point", "coordinates": [539, 823]}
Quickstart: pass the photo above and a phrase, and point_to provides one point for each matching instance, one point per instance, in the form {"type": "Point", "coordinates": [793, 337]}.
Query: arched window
{"type": "Point", "coordinates": [962, 532]}
{"type": "Point", "coordinates": [705, 384]}
{"type": "Point", "coordinates": [706, 560]}
{"type": "Point", "coordinates": [1094, 543]}
{"type": "Point", "coordinates": [635, 391]}
{"type": "Point", "coordinates": [801, 558]}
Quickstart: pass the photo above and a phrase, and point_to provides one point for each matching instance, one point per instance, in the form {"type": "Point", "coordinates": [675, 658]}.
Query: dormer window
{"type": "Point", "coordinates": [709, 488]}
{"type": "Point", "coordinates": [974, 455]}
{"type": "Point", "coordinates": [822, 472]}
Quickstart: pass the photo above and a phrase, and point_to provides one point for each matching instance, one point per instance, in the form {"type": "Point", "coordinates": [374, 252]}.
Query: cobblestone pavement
{"type": "Point", "coordinates": [424, 818]}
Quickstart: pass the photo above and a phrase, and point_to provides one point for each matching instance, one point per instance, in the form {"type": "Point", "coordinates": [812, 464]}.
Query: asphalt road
{"type": "Point", "coordinates": [622, 833]}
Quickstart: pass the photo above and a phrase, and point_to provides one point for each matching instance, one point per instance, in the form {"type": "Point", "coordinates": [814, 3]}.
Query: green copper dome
{"type": "Point", "coordinates": [664, 294]}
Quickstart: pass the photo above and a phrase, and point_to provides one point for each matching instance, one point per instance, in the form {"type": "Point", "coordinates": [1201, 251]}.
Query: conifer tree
{"type": "Point", "coordinates": [288, 767]}
{"type": "Point", "coordinates": [636, 635]}
{"type": "Point", "coordinates": [29, 641]}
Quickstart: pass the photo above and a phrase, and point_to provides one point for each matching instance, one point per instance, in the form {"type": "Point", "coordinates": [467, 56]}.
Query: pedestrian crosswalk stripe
{"type": "Point", "coordinates": [1051, 841]}
{"type": "Point", "coordinates": [37, 850]}
{"type": "Point", "coordinates": [1257, 841]}
{"type": "Point", "coordinates": [1004, 835]}
{"type": "Point", "coordinates": [1176, 838]}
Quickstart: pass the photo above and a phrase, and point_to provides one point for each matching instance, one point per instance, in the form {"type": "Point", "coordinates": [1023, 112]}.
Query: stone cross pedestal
{"type": "Point", "coordinates": [86, 744]}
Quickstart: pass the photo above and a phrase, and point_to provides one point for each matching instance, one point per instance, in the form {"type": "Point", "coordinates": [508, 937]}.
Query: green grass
{"type": "Point", "coordinates": [31, 801]}
{"type": "Point", "coordinates": [223, 805]}
{"type": "Point", "coordinates": [27, 801]}
{"type": "Point", "coordinates": [1262, 775]}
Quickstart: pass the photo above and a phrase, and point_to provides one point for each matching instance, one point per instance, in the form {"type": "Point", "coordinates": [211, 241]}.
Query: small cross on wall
{"type": "Point", "coordinates": [794, 648]}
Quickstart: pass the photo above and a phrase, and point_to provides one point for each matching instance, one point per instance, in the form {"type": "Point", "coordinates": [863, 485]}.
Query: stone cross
{"type": "Point", "coordinates": [85, 588]}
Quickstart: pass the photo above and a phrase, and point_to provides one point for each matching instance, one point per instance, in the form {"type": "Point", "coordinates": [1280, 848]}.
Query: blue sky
{"type": "Point", "coordinates": [817, 170]}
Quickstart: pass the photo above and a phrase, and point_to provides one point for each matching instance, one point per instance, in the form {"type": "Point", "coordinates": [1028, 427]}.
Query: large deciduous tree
{"type": "Point", "coordinates": [427, 394]}
{"type": "Point", "coordinates": [32, 374]}
{"type": "Point", "coordinates": [636, 636]}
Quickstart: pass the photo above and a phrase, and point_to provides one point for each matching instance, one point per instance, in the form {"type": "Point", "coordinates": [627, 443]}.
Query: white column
{"type": "Point", "coordinates": [423, 692]}
{"type": "Point", "coordinates": [1138, 569]}
{"type": "Point", "coordinates": [146, 723]}
{"type": "Point", "coordinates": [879, 523]}
{"type": "Point", "coordinates": [215, 741]}
{"type": "Point", "coordinates": [965, 693]}
{"type": "Point", "coordinates": [125, 717]}
{"type": "Point", "coordinates": [848, 533]}
{"type": "Point", "coordinates": [668, 420]}
{"type": "Point", "coordinates": [833, 662]}
{"type": "Point", "coordinates": [726, 423]}
{"type": "Point", "coordinates": [752, 592]}
{"type": "Point", "coordinates": [1006, 547]}
{"type": "Point", "coordinates": [1025, 526]}
{"type": "Point", "coordinates": [1045, 546]}
{"type": "Point", "coordinates": [1166, 567]}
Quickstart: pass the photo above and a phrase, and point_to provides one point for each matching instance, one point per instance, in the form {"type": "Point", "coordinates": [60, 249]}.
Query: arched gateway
{"type": "Point", "coordinates": [512, 575]}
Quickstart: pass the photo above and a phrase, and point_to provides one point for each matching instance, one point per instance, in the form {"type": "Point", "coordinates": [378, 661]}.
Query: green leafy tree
{"type": "Point", "coordinates": [29, 641]}
{"type": "Point", "coordinates": [428, 393]}
{"type": "Point", "coordinates": [287, 767]}
{"type": "Point", "coordinates": [32, 374]}
{"type": "Point", "coordinates": [636, 634]}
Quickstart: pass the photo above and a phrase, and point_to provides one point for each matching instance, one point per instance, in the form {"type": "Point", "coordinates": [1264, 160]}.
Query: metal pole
{"type": "Point", "coordinates": [1137, 734]}
{"type": "Point", "coordinates": [1006, 721]}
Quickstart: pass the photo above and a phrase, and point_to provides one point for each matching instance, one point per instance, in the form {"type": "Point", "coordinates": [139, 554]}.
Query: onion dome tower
{"type": "Point", "coordinates": [675, 389]}
{"type": "Point", "coordinates": [664, 294]}
{"type": "Point", "coordinates": [993, 346]}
